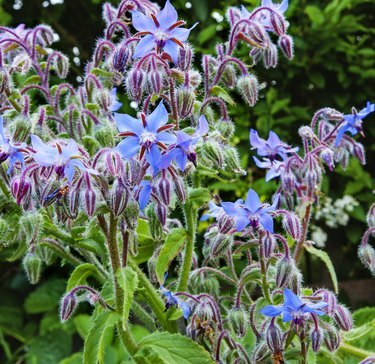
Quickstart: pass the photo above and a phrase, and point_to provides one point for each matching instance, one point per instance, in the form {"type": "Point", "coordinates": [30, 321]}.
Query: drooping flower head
{"type": "Point", "coordinates": [9, 150]}
{"type": "Point", "coordinates": [353, 122]}
{"type": "Point", "coordinates": [144, 135]}
{"type": "Point", "coordinates": [251, 212]}
{"type": "Point", "coordinates": [161, 32]}
{"type": "Point", "coordinates": [64, 158]}
{"type": "Point", "coordinates": [294, 309]}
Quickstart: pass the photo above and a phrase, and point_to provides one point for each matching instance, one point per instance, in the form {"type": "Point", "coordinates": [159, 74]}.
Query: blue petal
{"type": "Point", "coordinates": [2, 137]}
{"type": "Point", "coordinates": [181, 160]}
{"type": "Point", "coordinates": [144, 47]}
{"type": "Point", "coordinates": [144, 196]}
{"type": "Point", "coordinates": [255, 141]}
{"type": "Point", "coordinates": [185, 309]}
{"type": "Point", "coordinates": [271, 311]}
{"type": "Point", "coordinates": [128, 123]}
{"type": "Point", "coordinates": [166, 137]}
{"type": "Point", "coordinates": [172, 49]}
{"type": "Point", "coordinates": [181, 34]}
{"type": "Point", "coordinates": [202, 128]}
{"type": "Point", "coordinates": [167, 17]}
{"type": "Point", "coordinates": [241, 222]}
{"type": "Point", "coordinates": [291, 300]}
{"type": "Point", "coordinates": [69, 172]}
{"type": "Point", "coordinates": [273, 140]}
{"type": "Point", "coordinates": [340, 134]}
{"type": "Point", "coordinates": [70, 150]}
{"type": "Point", "coordinates": [230, 208]}
{"type": "Point", "coordinates": [129, 147]}
{"type": "Point", "coordinates": [252, 201]}
{"type": "Point", "coordinates": [153, 157]}
{"type": "Point", "coordinates": [283, 6]}
{"type": "Point", "coordinates": [142, 23]}
{"type": "Point", "coordinates": [266, 221]}
{"type": "Point", "coordinates": [287, 316]}
{"type": "Point", "coordinates": [157, 118]}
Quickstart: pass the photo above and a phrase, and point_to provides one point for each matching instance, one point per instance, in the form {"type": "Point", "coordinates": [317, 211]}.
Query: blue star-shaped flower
{"type": "Point", "coordinates": [144, 135]}
{"type": "Point", "coordinates": [161, 31]}
{"type": "Point", "coordinates": [294, 309]}
{"type": "Point", "coordinates": [252, 212]}
{"type": "Point", "coordinates": [10, 151]}
{"type": "Point", "coordinates": [353, 122]}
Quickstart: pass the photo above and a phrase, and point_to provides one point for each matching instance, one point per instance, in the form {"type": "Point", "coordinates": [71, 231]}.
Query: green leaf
{"type": "Point", "coordinates": [207, 33]}
{"type": "Point", "coordinates": [360, 331]}
{"type": "Point", "coordinates": [315, 14]}
{"type": "Point", "coordinates": [363, 315]}
{"type": "Point", "coordinates": [82, 323]}
{"type": "Point", "coordinates": [76, 358]}
{"type": "Point", "coordinates": [172, 246]}
{"type": "Point", "coordinates": [46, 297]}
{"type": "Point", "coordinates": [199, 196]}
{"type": "Point", "coordinates": [100, 337]}
{"type": "Point", "coordinates": [327, 261]}
{"type": "Point", "coordinates": [166, 348]}
{"type": "Point", "coordinates": [128, 281]}
{"type": "Point", "coordinates": [220, 92]}
{"type": "Point", "coordinates": [80, 275]}
{"type": "Point", "coordinates": [32, 80]}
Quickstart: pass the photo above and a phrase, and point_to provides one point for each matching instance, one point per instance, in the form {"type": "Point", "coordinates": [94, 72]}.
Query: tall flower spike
{"type": "Point", "coordinates": [144, 135]}
{"type": "Point", "coordinates": [64, 158]}
{"type": "Point", "coordinates": [252, 212]}
{"type": "Point", "coordinates": [162, 31]}
{"type": "Point", "coordinates": [353, 122]}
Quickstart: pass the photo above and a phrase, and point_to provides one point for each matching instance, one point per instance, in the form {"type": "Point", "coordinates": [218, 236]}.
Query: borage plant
{"type": "Point", "coordinates": [107, 192]}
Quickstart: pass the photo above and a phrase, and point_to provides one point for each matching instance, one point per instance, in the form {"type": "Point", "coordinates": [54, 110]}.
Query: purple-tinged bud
{"type": "Point", "coordinates": [295, 282]}
{"type": "Point", "coordinates": [329, 298]}
{"type": "Point", "coordinates": [93, 298]}
{"type": "Point", "coordinates": [22, 63]}
{"type": "Point", "coordinates": [131, 213]}
{"type": "Point", "coordinates": [256, 54]}
{"type": "Point", "coordinates": [155, 80]}
{"type": "Point", "coordinates": [109, 13]}
{"type": "Point", "coordinates": [21, 189]}
{"type": "Point", "coordinates": [332, 338]}
{"type": "Point", "coordinates": [21, 127]}
{"type": "Point", "coordinates": [226, 223]}
{"type": "Point", "coordinates": [359, 153]}
{"type": "Point", "coordinates": [316, 337]}
{"type": "Point", "coordinates": [248, 87]}
{"type": "Point", "coordinates": [366, 254]}
{"type": "Point", "coordinates": [220, 244]}
{"type": "Point", "coordinates": [155, 222]}
{"type": "Point", "coordinates": [343, 318]}
{"type": "Point", "coordinates": [120, 57]}
{"type": "Point", "coordinates": [285, 268]}
{"type": "Point", "coordinates": [185, 100]}
{"type": "Point", "coordinates": [232, 161]}
{"type": "Point", "coordinates": [213, 152]}
{"type": "Point", "coordinates": [371, 216]}
{"type": "Point", "coordinates": [179, 188]}
{"type": "Point", "coordinates": [261, 352]}
{"type": "Point", "coordinates": [4, 79]}
{"type": "Point", "coordinates": [32, 265]}
{"type": "Point", "coordinates": [185, 57]}
{"type": "Point", "coordinates": [114, 163]}
{"type": "Point", "coordinates": [204, 310]}
{"type": "Point", "coordinates": [292, 225]}
{"type": "Point", "coordinates": [135, 82]}
{"type": "Point", "coordinates": [306, 133]}
{"type": "Point", "coordinates": [369, 360]}
{"type": "Point", "coordinates": [274, 338]}
{"type": "Point", "coordinates": [286, 45]}
{"type": "Point", "coordinates": [256, 35]}
{"type": "Point", "coordinates": [161, 212]}
{"type": "Point", "coordinates": [268, 242]}
{"type": "Point", "coordinates": [288, 180]}
{"type": "Point", "coordinates": [45, 35]}
{"type": "Point", "coordinates": [119, 197]}
{"type": "Point", "coordinates": [313, 177]}
{"type": "Point", "coordinates": [164, 189]}
{"type": "Point", "coordinates": [74, 201]}
{"type": "Point", "coordinates": [61, 65]}
{"type": "Point", "coordinates": [229, 76]}
{"type": "Point", "coordinates": [328, 157]}
{"type": "Point", "coordinates": [238, 318]}
{"type": "Point", "coordinates": [68, 305]}
{"type": "Point", "coordinates": [278, 23]}
{"type": "Point", "coordinates": [195, 78]}
{"type": "Point", "coordinates": [270, 56]}
{"type": "Point", "coordinates": [90, 201]}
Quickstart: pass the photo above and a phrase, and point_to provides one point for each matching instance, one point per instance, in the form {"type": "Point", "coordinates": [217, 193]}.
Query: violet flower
{"type": "Point", "coordinates": [145, 134]}
{"type": "Point", "coordinates": [64, 158]}
{"type": "Point", "coordinates": [213, 211]}
{"type": "Point", "coordinates": [252, 212]}
{"type": "Point", "coordinates": [161, 31]}
{"type": "Point", "coordinates": [275, 168]}
{"type": "Point", "coordinates": [10, 151]}
{"type": "Point", "coordinates": [294, 309]}
{"type": "Point", "coordinates": [353, 122]}
{"type": "Point", "coordinates": [115, 104]}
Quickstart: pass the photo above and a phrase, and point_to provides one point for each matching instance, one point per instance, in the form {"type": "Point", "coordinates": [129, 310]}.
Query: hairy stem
{"type": "Point", "coordinates": [305, 225]}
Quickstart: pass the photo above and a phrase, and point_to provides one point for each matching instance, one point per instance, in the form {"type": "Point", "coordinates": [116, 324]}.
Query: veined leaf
{"type": "Point", "coordinates": [220, 92]}
{"type": "Point", "coordinates": [199, 196]}
{"type": "Point", "coordinates": [80, 275]}
{"type": "Point", "coordinates": [166, 348]}
{"type": "Point", "coordinates": [327, 261]}
{"type": "Point", "coordinates": [128, 280]}
{"type": "Point", "coordinates": [172, 246]}
{"type": "Point", "coordinates": [360, 331]}
{"type": "Point", "coordinates": [99, 337]}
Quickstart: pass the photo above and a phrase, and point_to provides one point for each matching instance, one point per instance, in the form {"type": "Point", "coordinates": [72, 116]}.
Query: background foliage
{"type": "Point", "coordinates": [333, 66]}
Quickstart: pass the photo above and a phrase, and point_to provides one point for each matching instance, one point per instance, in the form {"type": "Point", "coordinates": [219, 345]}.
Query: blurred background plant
{"type": "Point", "coordinates": [333, 66]}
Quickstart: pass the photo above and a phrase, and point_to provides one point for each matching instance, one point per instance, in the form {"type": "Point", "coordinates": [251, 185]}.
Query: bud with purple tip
{"type": "Point", "coordinates": [185, 100]}
{"type": "Point", "coordinates": [268, 243]}
{"type": "Point", "coordinates": [343, 318]}
{"type": "Point", "coordinates": [329, 298]}
{"type": "Point", "coordinates": [135, 82]}
{"type": "Point", "coordinates": [238, 317]}
{"type": "Point", "coordinates": [248, 87]}
{"type": "Point", "coordinates": [185, 57]}
{"type": "Point", "coordinates": [120, 57]}
{"type": "Point", "coordinates": [270, 56]}
{"type": "Point", "coordinates": [332, 337]}
{"type": "Point", "coordinates": [292, 225]}
{"type": "Point", "coordinates": [316, 337]}
{"type": "Point", "coordinates": [285, 267]}
{"type": "Point", "coordinates": [179, 188]}
{"type": "Point", "coordinates": [278, 23]}
{"type": "Point", "coordinates": [114, 163]}
{"type": "Point", "coordinates": [286, 45]}
{"type": "Point", "coordinates": [90, 201]}
{"type": "Point", "coordinates": [359, 153]}
{"type": "Point", "coordinates": [366, 254]}
{"type": "Point", "coordinates": [274, 338]}
{"type": "Point", "coordinates": [164, 189]}
{"type": "Point", "coordinates": [118, 197]}
{"type": "Point", "coordinates": [68, 305]}
{"type": "Point", "coordinates": [61, 64]}
{"type": "Point", "coordinates": [226, 223]}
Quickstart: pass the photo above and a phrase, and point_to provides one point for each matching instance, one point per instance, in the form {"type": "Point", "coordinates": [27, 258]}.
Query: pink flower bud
{"type": "Point", "coordinates": [155, 80]}
{"type": "Point", "coordinates": [274, 338]}
{"type": "Point", "coordinates": [332, 337]}
{"type": "Point", "coordinates": [21, 189]}
{"type": "Point", "coordinates": [120, 58]}
{"type": "Point", "coordinates": [292, 225]}
{"type": "Point", "coordinates": [114, 163]}
{"type": "Point", "coordinates": [161, 212]}
{"type": "Point", "coordinates": [226, 224]}
{"type": "Point", "coordinates": [286, 45]}
{"type": "Point", "coordinates": [270, 54]}
{"type": "Point", "coordinates": [68, 305]}
{"type": "Point", "coordinates": [316, 337]}
{"type": "Point", "coordinates": [135, 83]}
{"type": "Point", "coordinates": [371, 216]}
{"type": "Point", "coordinates": [257, 35]}
{"type": "Point", "coordinates": [359, 153]}
{"type": "Point", "coordinates": [118, 198]}
{"type": "Point", "coordinates": [278, 23]}
{"type": "Point", "coordinates": [185, 57]}
{"type": "Point", "coordinates": [329, 298]}
{"type": "Point", "coordinates": [343, 318]}
{"type": "Point", "coordinates": [164, 188]}
{"type": "Point", "coordinates": [90, 201]}
{"type": "Point", "coordinates": [268, 242]}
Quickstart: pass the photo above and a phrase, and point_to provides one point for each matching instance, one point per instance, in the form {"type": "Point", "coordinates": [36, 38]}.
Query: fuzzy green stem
{"type": "Point", "coordinates": [357, 352]}
{"type": "Point", "coordinates": [263, 269]}
{"type": "Point", "coordinates": [190, 219]}
{"type": "Point", "coordinates": [305, 225]}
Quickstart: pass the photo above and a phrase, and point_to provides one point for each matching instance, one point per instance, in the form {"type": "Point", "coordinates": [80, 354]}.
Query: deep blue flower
{"type": "Point", "coordinates": [64, 158]}
{"type": "Point", "coordinates": [353, 122]}
{"type": "Point", "coordinates": [184, 149]}
{"type": "Point", "coordinates": [272, 147]}
{"type": "Point", "coordinates": [10, 151]}
{"type": "Point", "coordinates": [144, 135]}
{"type": "Point", "coordinates": [213, 211]}
{"type": "Point", "coordinates": [251, 212]}
{"type": "Point", "coordinates": [161, 31]}
{"type": "Point", "coordinates": [275, 168]}
{"type": "Point", "coordinates": [294, 309]}
{"type": "Point", "coordinates": [144, 196]}
{"type": "Point", "coordinates": [115, 104]}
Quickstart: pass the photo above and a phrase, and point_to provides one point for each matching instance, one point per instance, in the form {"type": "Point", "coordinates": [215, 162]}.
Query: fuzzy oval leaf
{"type": "Point", "coordinates": [220, 92]}
{"type": "Point", "coordinates": [172, 246]}
{"type": "Point", "coordinates": [166, 348]}
{"type": "Point", "coordinates": [327, 261]}
{"type": "Point", "coordinates": [199, 196]}
{"type": "Point", "coordinates": [128, 281]}
{"type": "Point", "coordinates": [80, 275]}
{"type": "Point", "coordinates": [99, 337]}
